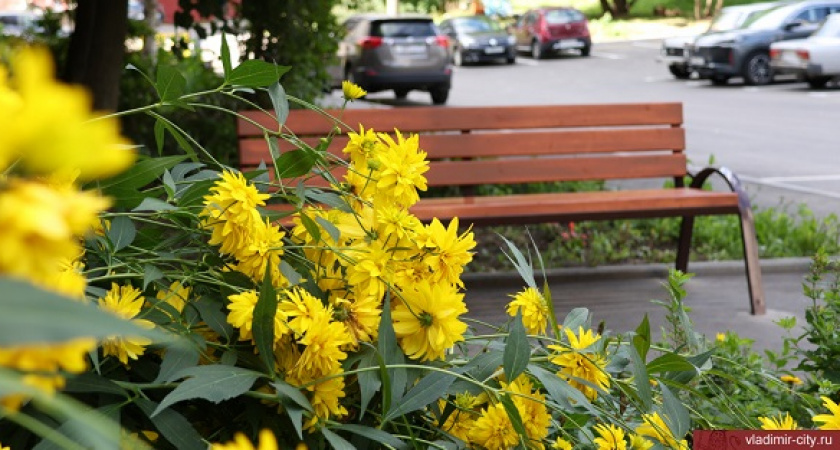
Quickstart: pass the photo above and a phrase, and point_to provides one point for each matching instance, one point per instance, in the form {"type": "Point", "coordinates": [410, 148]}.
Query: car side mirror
{"type": "Point", "coordinates": [794, 25]}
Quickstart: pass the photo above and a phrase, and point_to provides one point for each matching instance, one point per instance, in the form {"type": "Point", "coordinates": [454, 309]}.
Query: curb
{"type": "Point", "coordinates": [635, 271]}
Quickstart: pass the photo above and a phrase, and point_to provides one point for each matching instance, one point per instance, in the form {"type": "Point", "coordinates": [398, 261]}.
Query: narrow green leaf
{"type": "Point", "coordinates": [279, 102]}
{"type": "Point", "coordinates": [172, 426]}
{"type": "Point", "coordinates": [169, 83]}
{"type": "Point", "coordinates": [577, 317]}
{"type": "Point", "coordinates": [483, 366]}
{"type": "Point", "coordinates": [169, 184]}
{"type": "Point", "coordinates": [140, 174]}
{"type": "Point", "coordinates": [29, 315]}
{"type": "Point", "coordinates": [176, 359]}
{"type": "Point", "coordinates": [394, 381]}
{"type": "Point", "coordinates": [225, 56]}
{"type": "Point", "coordinates": [330, 199]}
{"type": "Point", "coordinates": [426, 391]}
{"type": "Point", "coordinates": [214, 383]}
{"type": "Point", "coordinates": [670, 362]}
{"type": "Point", "coordinates": [676, 414]}
{"type": "Point", "coordinates": [515, 417]}
{"type": "Point", "coordinates": [121, 233]}
{"type": "Point", "coordinates": [150, 274]}
{"type": "Point", "coordinates": [89, 382]}
{"type": "Point", "coordinates": [295, 414]}
{"type": "Point", "coordinates": [290, 273]}
{"type": "Point", "coordinates": [295, 163]}
{"type": "Point", "coordinates": [160, 134]}
{"type": "Point", "coordinates": [214, 317]}
{"type": "Point", "coordinates": [263, 323]}
{"type": "Point", "coordinates": [523, 266]}
{"type": "Point", "coordinates": [256, 73]}
{"type": "Point", "coordinates": [517, 349]}
{"type": "Point", "coordinates": [336, 442]}
{"type": "Point", "coordinates": [560, 390]}
{"type": "Point", "coordinates": [311, 227]}
{"type": "Point", "coordinates": [374, 434]}
{"type": "Point", "coordinates": [641, 340]}
{"type": "Point", "coordinates": [330, 227]}
{"type": "Point", "coordinates": [180, 171]}
{"type": "Point", "coordinates": [642, 380]}
{"type": "Point", "coordinates": [182, 141]}
{"type": "Point", "coordinates": [194, 195]}
{"type": "Point", "coordinates": [293, 393]}
{"type": "Point", "coordinates": [369, 382]}
{"type": "Point", "coordinates": [155, 205]}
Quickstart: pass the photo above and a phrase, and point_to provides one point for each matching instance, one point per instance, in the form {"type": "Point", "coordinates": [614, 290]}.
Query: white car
{"type": "Point", "coordinates": [675, 52]}
{"type": "Point", "coordinates": [815, 59]}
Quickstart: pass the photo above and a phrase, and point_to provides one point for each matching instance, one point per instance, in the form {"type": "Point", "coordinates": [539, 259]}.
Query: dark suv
{"type": "Point", "coordinates": [403, 53]}
{"type": "Point", "coordinates": [745, 52]}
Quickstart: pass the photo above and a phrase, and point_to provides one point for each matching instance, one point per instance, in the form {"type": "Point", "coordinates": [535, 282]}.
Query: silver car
{"type": "Point", "coordinates": [400, 53]}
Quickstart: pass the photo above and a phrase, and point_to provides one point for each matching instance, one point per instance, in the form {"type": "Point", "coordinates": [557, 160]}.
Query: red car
{"type": "Point", "coordinates": [551, 30]}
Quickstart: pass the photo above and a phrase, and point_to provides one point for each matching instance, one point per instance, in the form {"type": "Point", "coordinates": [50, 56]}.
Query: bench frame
{"type": "Point", "coordinates": [469, 146]}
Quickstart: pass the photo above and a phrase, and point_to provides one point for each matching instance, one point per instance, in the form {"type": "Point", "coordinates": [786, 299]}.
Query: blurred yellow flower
{"type": "Point", "coordinates": [656, 428]}
{"type": "Point", "coordinates": [720, 337]}
{"type": "Point", "coordinates": [780, 422]}
{"type": "Point", "coordinates": [639, 443]}
{"type": "Point", "coordinates": [125, 302]}
{"type": "Point", "coordinates": [363, 147]}
{"type": "Point", "coordinates": [241, 314]}
{"type": "Point", "coordinates": [352, 91]}
{"type": "Point", "coordinates": [829, 421]}
{"type": "Point", "coordinates": [267, 441]}
{"type": "Point", "coordinates": [610, 437]}
{"type": "Point", "coordinates": [791, 379]}
{"type": "Point", "coordinates": [532, 305]}
{"type": "Point", "coordinates": [426, 319]}
{"type": "Point", "coordinates": [561, 444]}
{"type": "Point", "coordinates": [530, 403]}
{"type": "Point", "coordinates": [584, 366]}
{"type": "Point", "coordinates": [176, 295]}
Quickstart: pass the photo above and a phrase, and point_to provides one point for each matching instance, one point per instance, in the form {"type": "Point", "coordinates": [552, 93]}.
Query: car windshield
{"type": "Point", "coordinates": [402, 28]}
{"type": "Point", "coordinates": [476, 25]}
{"type": "Point", "coordinates": [731, 19]}
{"type": "Point", "coordinates": [768, 20]}
{"type": "Point", "coordinates": [560, 16]}
{"type": "Point", "coordinates": [830, 28]}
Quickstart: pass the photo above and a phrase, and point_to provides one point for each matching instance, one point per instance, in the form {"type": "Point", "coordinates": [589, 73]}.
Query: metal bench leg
{"type": "Point", "coordinates": [751, 261]}
{"type": "Point", "coordinates": [684, 246]}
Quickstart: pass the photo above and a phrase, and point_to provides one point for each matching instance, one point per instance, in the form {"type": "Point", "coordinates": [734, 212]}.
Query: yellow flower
{"type": "Point", "coordinates": [449, 251]}
{"type": "Point", "coordinates": [303, 310]}
{"type": "Point", "coordinates": [401, 173]}
{"type": "Point", "coordinates": [426, 320]}
{"type": "Point", "coordinates": [720, 337]}
{"type": "Point", "coordinates": [261, 249]}
{"type": "Point", "coordinates": [530, 403]}
{"type": "Point", "coordinates": [240, 442]}
{"type": "Point", "coordinates": [460, 422]}
{"type": "Point", "coordinates": [352, 91]}
{"type": "Point", "coordinates": [125, 302]}
{"type": "Point", "coordinates": [241, 315]}
{"type": "Point", "coordinates": [324, 397]}
{"type": "Point", "coordinates": [493, 430]}
{"type": "Point", "coordinates": [561, 444]}
{"type": "Point", "coordinates": [791, 379]}
{"type": "Point", "coordinates": [41, 364]}
{"type": "Point", "coordinates": [362, 147]}
{"type": "Point", "coordinates": [830, 421]}
{"type": "Point", "coordinates": [780, 422]}
{"type": "Point", "coordinates": [639, 443]}
{"type": "Point", "coordinates": [611, 437]}
{"type": "Point", "coordinates": [370, 270]}
{"type": "Point", "coordinates": [4, 448]}
{"type": "Point", "coordinates": [322, 354]}
{"type": "Point", "coordinates": [176, 295]}
{"type": "Point", "coordinates": [230, 211]}
{"type": "Point", "coordinates": [575, 365]}
{"type": "Point", "coordinates": [532, 305]}
{"type": "Point", "coordinates": [360, 316]}
{"type": "Point", "coordinates": [656, 428]}
{"type": "Point", "coordinates": [51, 126]}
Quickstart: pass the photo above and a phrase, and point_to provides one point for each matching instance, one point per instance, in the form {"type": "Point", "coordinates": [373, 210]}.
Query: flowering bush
{"type": "Point", "coordinates": [169, 303]}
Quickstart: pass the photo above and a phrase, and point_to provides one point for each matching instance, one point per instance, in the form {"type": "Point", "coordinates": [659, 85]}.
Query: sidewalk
{"type": "Point", "coordinates": [621, 296]}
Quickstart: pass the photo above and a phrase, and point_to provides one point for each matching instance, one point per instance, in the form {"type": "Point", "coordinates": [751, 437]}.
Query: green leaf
{"type": "Point", "coordinates": [293, 393]}
{"type": "Point", "coordinates": [263, 322]}
{"type": "Point", "coordinates": [213, 383]}
{"type": "Point", "coordinates": [330, 227]}
{"type": "Point", "coordinates": [121, 233]}
{"type": "Point", "coordinates": [515, 418]}
{"type": "Point", "coordinates": [89, 382]}
{"type": "Point", "coordinates": [523, 266]}
{"type": "Point", "coordinates": [641, 340]}
{"type": "Point", "coordinates": [426, 391]}
{"type": "Point", "coordinates": [172, 426]}
{"type": "Point", "coordinates": [337, 442]}
{"type": "Point", "coordinates": [374, 434]}
{"type": "Point", "coordinates": [577, 317]}
{"type": "Point", "coordinates": [676, 414]}
{"type": "Point", "coordinates": [394, 380]}
{"type": "Point", "coordinates": [517, 349]}
{"type": "Point", "coordinates": [225, 56]}
{"type": "Point", "coordinates": [279, 102]}
{"type": "Point", "coordinates": [176, 359]}
{"type": "Point", "coordinates": [29, 315]}
{"type": "Point", "coordinates": [169, 184]}
{"type": "Point", "coordinates": [311, 227]}
{"type": "Point", "coordinates": [295, 414]}
{"type": "Point", "coordinates": [369, 382]}
{"type": "Point", "coordinates": [483, 366]}
{"type": "Point", "coordinates": [154, 204]}
{"type": "Point", "coordinates": [160, 133]}
{"type": "Point", "coordinates": [150, 274]}
{"type": "Point", "coordinates": [140, 174]}
{"type": "Point", "coordinates": [182, 141]}
{"type": "Point", "coordinates": [256, 73]}
{"type": "Point", "coordinates": [670, 362]}
{"type": "Point", "coordinates": [169, 83]}
{"type": "Point", "coordinates": [194, 195]}
{"type": "Point", "coordinates": [642, 379]}
{"type": "Point", "coordinates": [295, 163]}
{"type": "Point", "coordinates": [330, 199]}
{"type": "Point", "coordinates": [560, 390]}
{"type": "Point", "coordinates": [214, 317]}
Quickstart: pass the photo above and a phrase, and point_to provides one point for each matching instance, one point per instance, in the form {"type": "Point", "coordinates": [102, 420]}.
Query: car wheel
{"type": "Point", "coordinates": [401, 93]}
{"type": "Point", "coordinates": [458, 58]}
{"type": "Point", "coordinates": [681, 73]}
{"type": "Point", "coordinates": [439, 95]}
{"type": "Point", "coordinates": [536, 50]}
{"type": "Point", "coordinates": [720, 80]}
{"type": "Point", "coordinates": [511, 60]}
{"type": "Point", "coordinates": [585, 50]}
{"type": "Point", "coordinates": [757, 70]}
{"type": "Point", "coordinates": [818, 82]}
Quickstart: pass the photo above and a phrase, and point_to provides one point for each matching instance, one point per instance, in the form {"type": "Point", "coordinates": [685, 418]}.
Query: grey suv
{"type": "Point", "coordinates": [403, 53]}
{"type": "Point", "coordinates": [745, 52]}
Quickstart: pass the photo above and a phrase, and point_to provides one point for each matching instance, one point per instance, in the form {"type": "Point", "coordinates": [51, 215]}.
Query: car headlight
{"type": "Point", "coordinates": [511, 40]}
{"type": "Point", "coordinates": [468, 41]}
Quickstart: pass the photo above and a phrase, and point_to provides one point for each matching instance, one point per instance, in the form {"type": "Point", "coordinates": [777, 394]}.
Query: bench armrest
{"type": "Point", "coordinates": [699, 179]}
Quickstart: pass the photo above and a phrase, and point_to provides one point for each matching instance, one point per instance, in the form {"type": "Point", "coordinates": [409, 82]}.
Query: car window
{"type": "Point", "coordinates": [559, 16]}
{"type": "Point", "coordinates": [829, 28]}
{"type": "Point", "coordinates": [403, 28]}
{"type": "Point", "coordinates": [775, 18]}
{"type": "Point", "coordinates": [812, 15]}
{"type": "Point", "coordinates": [476, 25]}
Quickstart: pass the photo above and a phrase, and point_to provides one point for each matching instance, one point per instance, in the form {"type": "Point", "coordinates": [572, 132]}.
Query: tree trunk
{"type": "Point", "coordinates": [97, 50]}
{"type": "Point", "coordinates": [150, 16]}
{"type": "Point", "coordinates": [608, 8]}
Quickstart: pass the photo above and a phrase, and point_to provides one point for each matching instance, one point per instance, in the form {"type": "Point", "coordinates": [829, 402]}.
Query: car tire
{"type": "Point", "coordinates": [680, 73]}
{"type": "Point", "coordinates": [400, 93]}
{"type": "Point", "coordinates": [511, 60]}
{"type": "Point", "coordinates": [439, 95]}
{"type": "Point", "coordinates": [536, 50]}
{"type": "Point", "coordinates": [757, 70]}
{"type": "Point", "coordinates": [720, 80]}
{"type": "Point", "coordinates": [457, 57]}
{"type": "Point", "coordinates": [818, 82]}
{"type": "Point", "coordinates": [585, 51]}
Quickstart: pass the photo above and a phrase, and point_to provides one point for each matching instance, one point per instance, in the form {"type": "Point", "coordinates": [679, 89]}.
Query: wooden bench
{"type": "Point", "coordinates": [470, 146]}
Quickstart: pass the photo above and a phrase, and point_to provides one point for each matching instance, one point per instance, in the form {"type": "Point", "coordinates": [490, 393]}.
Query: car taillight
{"type": "Point", "coordinates": [370, 42]}
{"type": "Point", "coordinates": [775, 53]}
{"type": "Point", "coordinates": [803, 55]}
{"type": "Point", "coordinates": [442, 41]}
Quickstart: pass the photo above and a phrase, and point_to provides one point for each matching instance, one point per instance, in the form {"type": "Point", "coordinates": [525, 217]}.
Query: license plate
{"type": "Point", "coordinates": [697, 61]}
{"type": "Point", "coordinates": [494, 50]}
{"type": "Point", "coordinates": [410, 50]}
{"type": "Point", "coordinates": [568, 44]}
